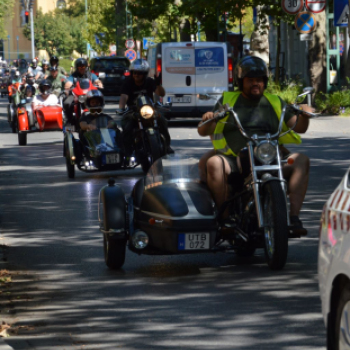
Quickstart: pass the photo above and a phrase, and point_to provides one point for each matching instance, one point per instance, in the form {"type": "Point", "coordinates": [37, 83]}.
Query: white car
{"type": "Point", "coordinates": [334, 266]}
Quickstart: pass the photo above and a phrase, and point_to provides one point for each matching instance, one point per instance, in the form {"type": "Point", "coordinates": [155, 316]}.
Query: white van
{"type": "Point", "coordinates": [191, 68]}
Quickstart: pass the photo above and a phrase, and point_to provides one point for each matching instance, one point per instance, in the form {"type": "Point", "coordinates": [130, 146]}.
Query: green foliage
{"type": "Point", "coordinates": [66, 64]}
{"type": "Point", "coordinates": [337, 102]}
{"type": "Point", "coordinates": [287, 91]}
{"type": "Point", "coordinates": [6, 13]}
{"type": "Point", "coordinates": [57, 33]}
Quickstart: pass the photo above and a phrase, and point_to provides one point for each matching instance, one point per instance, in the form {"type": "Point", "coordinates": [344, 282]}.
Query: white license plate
{"type": "Point", "coordinates": [112, 158]}
{"type": "Point", "coordinates": [193, 241]}
{"type": "Point", "coordinates": [113, 75]}
{"type": "Point", "coordinates": [184, 99]}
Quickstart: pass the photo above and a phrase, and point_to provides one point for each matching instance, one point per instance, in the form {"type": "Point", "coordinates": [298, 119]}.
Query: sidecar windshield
{"type": "Point", "coordinates": [102, 138]}
{"type": "Point", "coordinates": [174, 168]}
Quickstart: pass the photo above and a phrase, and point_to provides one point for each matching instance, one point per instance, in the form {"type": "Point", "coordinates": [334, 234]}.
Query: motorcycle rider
{"type": "Point", "coordinates": [82, 71]}
{"type": "Point", "coordinates": [258, 112]}
{"type": "Point", "coordinates": [57, 80]}
{"type": "Point", "coordinates": [95, 103]}
{"type": "Point", "coordinates": [43, 74]}
{"type": "Point", "coordinates": [46, 97]}
{"type": "Point", "coordinates": [139, 83]}
{"type": "Point", "coordinates": [29, 81]}
{"type": "Point", "coordinates": [54, 62]}
{"type": "Point", "coordinates": [34, 68]}
{"type": "Point", "coordinates": [23, 66]}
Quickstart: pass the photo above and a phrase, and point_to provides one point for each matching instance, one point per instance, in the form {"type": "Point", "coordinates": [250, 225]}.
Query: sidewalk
{"type": "Point", "coordinates": [4, 345]}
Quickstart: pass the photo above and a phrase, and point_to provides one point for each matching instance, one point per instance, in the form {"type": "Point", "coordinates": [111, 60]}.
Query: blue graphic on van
{"type": "Point", "coordinates": [209, 60]}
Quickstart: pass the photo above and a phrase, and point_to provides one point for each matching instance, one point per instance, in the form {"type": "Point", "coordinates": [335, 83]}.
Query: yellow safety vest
{"type": "Point", "coordinates": [218, 139]}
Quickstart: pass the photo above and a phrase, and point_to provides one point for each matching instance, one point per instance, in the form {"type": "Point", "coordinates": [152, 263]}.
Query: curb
{"type": "Point", "coordinates": [4, 345]}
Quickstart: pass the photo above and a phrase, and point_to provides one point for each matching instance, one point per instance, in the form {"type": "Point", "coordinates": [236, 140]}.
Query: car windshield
{"type": "Point", "coordinates": [173, 168]}
{"type": "Point", "coordinates": [102, 65]}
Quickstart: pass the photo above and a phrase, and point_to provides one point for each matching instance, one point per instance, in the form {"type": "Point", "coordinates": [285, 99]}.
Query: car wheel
{"type": "Point", "coordinates": [342, 322]}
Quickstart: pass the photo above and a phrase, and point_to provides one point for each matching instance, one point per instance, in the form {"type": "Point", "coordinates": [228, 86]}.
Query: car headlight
{"type": "Point", "coordinates": [265, 152]}
{"type": "Point", "coordinates": [146, 112]}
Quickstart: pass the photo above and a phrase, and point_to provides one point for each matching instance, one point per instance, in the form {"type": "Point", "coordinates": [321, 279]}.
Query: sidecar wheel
{"type": "Point", "coordinates": [22, 138]}
{"type": "Point", "coordinates": [70, 168]}
{"type": "Point", "coordinates": [114, 252]}
{"type": "Point", "coordinates": [276, 228]}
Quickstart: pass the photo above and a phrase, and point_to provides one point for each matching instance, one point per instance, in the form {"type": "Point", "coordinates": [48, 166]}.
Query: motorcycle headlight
{"type": "Point", "coordinates": [81, 98]}
{"type": "Point", "coordinates": [265, 152]}
{"type": "Point", "coordinates": [146, 112]}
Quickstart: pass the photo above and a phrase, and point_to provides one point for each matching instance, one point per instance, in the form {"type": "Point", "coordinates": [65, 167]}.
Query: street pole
{"type": "Point", "coordinates": [17, 47]}
{"type": "Point", "coordinates": [86, 19]}
{"type": "Point", "coordinates": [32, 30]}
{"type": "Point", "coordinates": [8, 45]}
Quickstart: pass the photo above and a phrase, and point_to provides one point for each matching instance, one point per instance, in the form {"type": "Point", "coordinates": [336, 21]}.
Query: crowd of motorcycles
{"type": "Point", "coordinates": [169, 211]}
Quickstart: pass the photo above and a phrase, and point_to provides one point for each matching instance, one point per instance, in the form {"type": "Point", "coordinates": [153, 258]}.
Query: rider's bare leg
{"type": "Point", "coordinates": [202, 165]}
{"type": "Point", "coordinates": [218, 169]}
{"type": "Point", "coordinates": [297, 176]}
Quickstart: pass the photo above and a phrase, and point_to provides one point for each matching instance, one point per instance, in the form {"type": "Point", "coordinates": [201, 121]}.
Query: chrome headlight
{"type": "Point", "coordinates": [265, 152]}
{"type": "Point", "coordinates": [146, 111]}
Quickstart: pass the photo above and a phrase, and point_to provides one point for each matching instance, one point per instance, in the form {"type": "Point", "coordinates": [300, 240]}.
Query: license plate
{"type": "Point", "coordinates": [193, 241]}
{"type": "Point", "coordinates": [184, 99]}
{"type": "Point", "coordinates": [112, 158]}
{"type": "Point", "coordinates": [113, 75]}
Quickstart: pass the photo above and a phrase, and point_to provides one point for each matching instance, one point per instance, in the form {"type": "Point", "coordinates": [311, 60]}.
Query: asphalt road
{"type": "Point", "coordinates": [64, 297]}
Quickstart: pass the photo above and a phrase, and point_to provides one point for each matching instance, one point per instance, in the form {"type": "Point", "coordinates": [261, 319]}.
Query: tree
{"type": "Point", "coordinates": [6, 13]}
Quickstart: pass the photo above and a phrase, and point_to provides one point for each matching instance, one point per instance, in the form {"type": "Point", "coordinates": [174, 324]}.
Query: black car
{"type": "Point", "coordinates": [112, 71]}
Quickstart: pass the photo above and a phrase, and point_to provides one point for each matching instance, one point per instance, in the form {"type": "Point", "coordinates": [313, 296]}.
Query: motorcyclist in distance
{"type": "Point", "coordinates": [57, 81]}
{"type": "Point", "coordinates": [54, 62]}
{"type": "Point", "coordinates": [82, 71]}
{"type": "Point", "coordinates": [46, 97]}
{"type": "Point", "coordinates": [34, 68]}
{"type": "Point", "coordinates": [258, 111]}
{"type": "Point", "coordinates": [140, 84]}
{"type": "Point", "coordinates": [23, 66]}
{"type": "Point", "coordinates": [44, 73]}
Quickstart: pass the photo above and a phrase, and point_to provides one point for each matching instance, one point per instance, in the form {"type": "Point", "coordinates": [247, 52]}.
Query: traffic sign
{"type": "Point", "coordinates": [292, 7]}
{"type": "Point", "coordinates": [112, 48]}
{"type": "Point", "coordinates": [305, 22]}
{"type": "Point", "coordinates": [341, 13]}
{"type": "Point", "coordinates": [130, 54]}
{"type": "Point", "coordinates": [147, 42]}
{"type": "Point", "coordinates": [129, 44]}
{"type": "Point", "coordinates": [315, 6]}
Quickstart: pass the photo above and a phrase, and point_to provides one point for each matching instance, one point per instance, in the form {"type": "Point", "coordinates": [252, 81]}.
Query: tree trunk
{"type": "Point", "coordinates": [317, 55]}
{"type": "Point", "coordinates": [120, 26]}
{"type": "Point", "coordinates": [259, 40]}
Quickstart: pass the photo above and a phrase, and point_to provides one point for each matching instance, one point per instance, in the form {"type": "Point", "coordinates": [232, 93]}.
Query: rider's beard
{"type": "Point", "coordinates": [254, 95]}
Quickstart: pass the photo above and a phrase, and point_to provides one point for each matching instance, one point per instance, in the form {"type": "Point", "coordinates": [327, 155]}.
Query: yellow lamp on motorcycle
{"type": "Point", "coordinates": [145, 104]}
{"type": "Point", "coordinates": [265, 152]}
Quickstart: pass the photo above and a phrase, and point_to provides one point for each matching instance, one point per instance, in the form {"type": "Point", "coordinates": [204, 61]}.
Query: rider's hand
{"type": "Point", "coordinates": [91, 127]}
{"type": "Point", "coordinates": [307, 108]}
{"type": "Point", "coordinates": [208, 115]}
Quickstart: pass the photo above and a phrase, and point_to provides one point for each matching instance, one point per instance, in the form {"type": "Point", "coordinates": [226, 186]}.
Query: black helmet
{"type": "Point", "coordinates": [251, 67]}
{"type": "Point", "coordinates": [80, 62]}
{"type": "Point", "coordinates": [29, 91]}
{"type": "Point", "coordinates": [92, 95]}
{"type": "Point", "coordinates": [22, 64]}
{"type": "Point", "coordinates": [7, 70]}
{"type": "Point", "coordinates": [45, 87]}
{"type": "Point", "coordinates": [139, 65]}
{"type": "Point", "coordinates": [54, 61]}
{"type": "Point", "coordinates": [30, 78]}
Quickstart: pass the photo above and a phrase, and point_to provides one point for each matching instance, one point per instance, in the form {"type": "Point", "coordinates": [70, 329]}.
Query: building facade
{"type": "Point", "coordinates": [16, 44]}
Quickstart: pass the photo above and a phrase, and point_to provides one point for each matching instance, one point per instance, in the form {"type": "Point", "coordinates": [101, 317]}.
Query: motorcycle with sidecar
{"type": "Point", "coordinates": [171, 212]}
{"type": "Point", "coordinates": [102, 149]}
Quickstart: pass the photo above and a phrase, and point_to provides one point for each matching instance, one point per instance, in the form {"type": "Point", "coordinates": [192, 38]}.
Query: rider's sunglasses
{"type": "Point", "coordinates": [82, 67]}
{"type": "Point", "coordinates": [95, 110]}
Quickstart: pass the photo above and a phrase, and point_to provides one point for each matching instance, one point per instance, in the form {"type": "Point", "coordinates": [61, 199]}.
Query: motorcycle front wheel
{"type": "Point", "coordinates": [154, 153]}
{"type": "Point", "coordinates": [275, 225]}
{"type": "Point", "coordinates": [22, 138]}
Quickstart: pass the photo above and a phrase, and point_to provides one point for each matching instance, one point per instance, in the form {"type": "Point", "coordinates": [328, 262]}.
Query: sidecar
{"type": "Point", "coordinates": [42, 118]}
{"type": "Point", "coordinates": [168, 212]}
{"type": "Point", "coordinates": [95, 150]}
